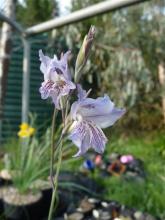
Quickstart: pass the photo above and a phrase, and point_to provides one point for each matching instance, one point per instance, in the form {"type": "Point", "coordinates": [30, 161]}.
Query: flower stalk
{"type": "Point", "coordinates": [55, 183]}
{"type": "Point", "coordinates": [52, 146]}
{"type": "Point", "coordinates": [83, 119]}
{"type": "Point", "coordinates": [59, 156]}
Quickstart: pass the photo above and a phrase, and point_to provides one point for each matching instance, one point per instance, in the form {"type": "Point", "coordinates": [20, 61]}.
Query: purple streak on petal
{"type": "Point", "coordinates": [45, 89]}
{"type": "Point", "coordinates": [90, 115]}
{"type": "Point", "coordinates": [64, 87]}
{"type": "Point", "coordinates": [61, 88]}
{"type": "Point", "coordinates": [55, 90]}
{"type": "Point", "coordinates": [85, 135]}
{"type": "Point", "coordinates": [98, 138]}
{"type": "Point", "coordinates": [80, 137]}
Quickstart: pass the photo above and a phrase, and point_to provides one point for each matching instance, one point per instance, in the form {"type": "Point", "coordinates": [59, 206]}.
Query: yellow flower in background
{"type": "Point", "coordinates": [24, 126]}
{"type": "Point", "coordinates": [25, 130]}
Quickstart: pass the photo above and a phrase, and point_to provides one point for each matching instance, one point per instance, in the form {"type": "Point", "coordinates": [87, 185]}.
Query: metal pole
{"type": "Point", "coordinates": [80, 15]}
{"type": "Point", "coordinates": [11, 22]}
{"type": "Point", "coordinates": [26, 80]}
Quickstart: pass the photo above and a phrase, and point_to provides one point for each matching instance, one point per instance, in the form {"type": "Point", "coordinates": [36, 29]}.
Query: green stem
{"type": "Point", "coordinates": [52, 146]}
{"type": "Point", "coordinates": [56, 183]}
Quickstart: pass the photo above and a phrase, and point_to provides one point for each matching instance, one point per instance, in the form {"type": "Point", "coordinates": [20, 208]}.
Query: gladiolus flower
{"type": "Point", "coordinates": [57, 79]}
{"type": "Point", "coordinates": [89, 116]}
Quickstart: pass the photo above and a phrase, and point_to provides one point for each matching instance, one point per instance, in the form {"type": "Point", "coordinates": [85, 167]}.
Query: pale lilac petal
{"type": "Point", "coordinates": [52, 67]}
{"type": "Point", "coordinates": [98, 138]}
{"type": "Point", "coordinates": [44, 93]}
{"type": "Point", "coordinates": [45, 61]}
{"type": "Point", "coordinates": [80, 137]}
{"type": "Point", "coordinates": [61, 89]}
{"type": "Point", "coordinates": [45, 89]}
{"type": "Point", "coordinates": [90, 115]}
{"type": "Point", "coordinates": [71, 84]}
{"type": "Point", "coordinates": [74, 109]}
{"type": "Point", "coordinates": [57, 81]}
{"type": "Point", "coordinates": [64, 65]}
{"type": "Point", "coordinates": [56, 99]}
{"type": "Point", "coordinates": [81, 93]}
{"type": "Point", "coordinates": [101, 111]}
{"type": "Point", "coordinates": [65, 88]}
{"type": "Point", "coordinates": [86, 135]}
{"type": "Point", "coordinates": [45, 64]}
{"type": "Point", "coordinates": [64, 59]}
{"type": "Point", "coordinates": [95, 107]}
{"type": "Point", "coordinates": [84, 145]}
{"type": "Point", "coordinates": [107, 120]}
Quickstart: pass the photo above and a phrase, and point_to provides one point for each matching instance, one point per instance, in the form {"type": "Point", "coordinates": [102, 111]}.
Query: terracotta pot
{"type": "Point", "coordinates": [22, 206]}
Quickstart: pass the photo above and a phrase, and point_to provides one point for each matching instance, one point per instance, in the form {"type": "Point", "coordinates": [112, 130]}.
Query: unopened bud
{"type": "Point", "coordinates": [84, 53]}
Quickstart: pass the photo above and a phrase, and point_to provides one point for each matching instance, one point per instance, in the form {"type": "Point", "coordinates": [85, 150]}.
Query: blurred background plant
{"type": "Point", "coordinates": [128, 54]}
{"type": "Point", "coordinates": [28, 159]}
{"type": "Point", "coordinates": [146, 195]}
{"type": "Point", "coordinates": [26, 156]}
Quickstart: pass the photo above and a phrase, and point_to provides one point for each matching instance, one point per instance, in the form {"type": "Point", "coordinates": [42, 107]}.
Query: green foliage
{"type": "Point", "coordinates": [76, 5]}
{"type": "Point", "coordinates": [146, 195]}
{"type": "Point", "coordinates": [28, 161]}
{"type": "Point", "coordinates": [124, 61]}
{"type": "Point", "coordinates": [33, 12]}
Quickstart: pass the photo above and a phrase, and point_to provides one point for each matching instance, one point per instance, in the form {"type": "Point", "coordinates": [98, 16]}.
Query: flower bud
{"type": "Point", "coordinates": [84, 53]}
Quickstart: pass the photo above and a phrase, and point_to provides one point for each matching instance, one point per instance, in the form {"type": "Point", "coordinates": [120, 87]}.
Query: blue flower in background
{"type": "Point", "coordinates": [89, 165]}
